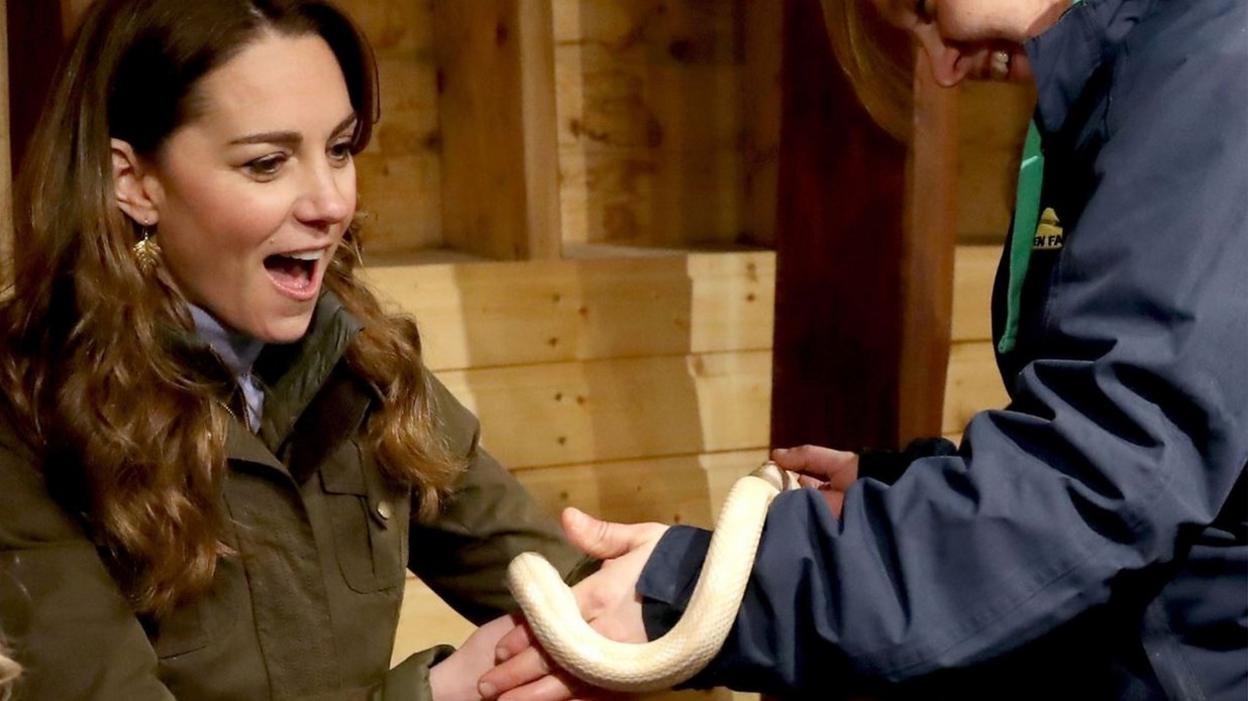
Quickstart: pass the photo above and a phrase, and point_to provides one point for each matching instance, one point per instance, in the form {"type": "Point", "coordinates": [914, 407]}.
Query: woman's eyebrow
{"type": "Point", "coordinates": [287, 138]}
{"type": "Point", "coordinates": [290, 138]}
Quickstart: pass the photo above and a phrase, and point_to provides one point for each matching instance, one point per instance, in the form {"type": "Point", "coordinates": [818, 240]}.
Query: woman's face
{"type": "Point", "coordinates": [253, 194]}
{"type": "Point", "coordinates": [975, 38]}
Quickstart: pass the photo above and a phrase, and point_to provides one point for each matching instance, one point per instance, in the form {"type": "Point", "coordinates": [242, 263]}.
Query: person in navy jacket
{"type": "Point", "coordinates": [1090, 540]}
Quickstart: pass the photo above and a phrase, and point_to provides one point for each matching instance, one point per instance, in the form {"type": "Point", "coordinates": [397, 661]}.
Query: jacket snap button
{"type": "Point", "coordinates": [384, 510]}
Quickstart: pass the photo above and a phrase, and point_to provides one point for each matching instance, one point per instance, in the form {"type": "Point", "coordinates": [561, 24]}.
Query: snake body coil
{"type": "Point", "coordinates": [556, 621]}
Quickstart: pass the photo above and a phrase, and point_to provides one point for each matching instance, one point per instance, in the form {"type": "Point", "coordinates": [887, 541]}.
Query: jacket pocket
{"type": "Point", "coordinates": [196, 624]}
{"type": "Point", "coordinates": [180, 632]}
{"type": "Point", "coordinates": [368, 520]}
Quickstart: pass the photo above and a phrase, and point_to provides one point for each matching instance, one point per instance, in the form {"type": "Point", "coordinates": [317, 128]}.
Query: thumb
{"type": "Point", "coordinates": [600, 539]}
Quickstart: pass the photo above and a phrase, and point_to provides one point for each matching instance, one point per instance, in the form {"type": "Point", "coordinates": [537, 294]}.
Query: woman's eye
{"type": "Point", "coordinates": [340, 152]}
{"type": "Point", "coordinates": [267, 166]}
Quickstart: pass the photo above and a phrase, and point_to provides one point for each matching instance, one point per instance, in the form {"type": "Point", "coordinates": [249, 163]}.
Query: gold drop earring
{"type": "Point", "coordinates": [147, 249]}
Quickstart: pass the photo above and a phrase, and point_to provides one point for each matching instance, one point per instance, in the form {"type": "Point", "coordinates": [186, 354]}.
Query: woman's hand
{"type": "Point", "coordinates": [607, 599]}
{"type": "Point", "coordinates": [827, 470]}
{"type": "Point", "coordinates": [455, 678]}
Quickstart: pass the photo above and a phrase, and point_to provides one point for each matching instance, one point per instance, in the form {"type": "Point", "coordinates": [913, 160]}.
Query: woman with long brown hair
{"type": "Point", "coordinates": [218, 456]}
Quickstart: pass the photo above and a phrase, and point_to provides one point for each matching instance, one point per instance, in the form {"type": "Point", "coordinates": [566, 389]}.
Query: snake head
{"type": "Point", "coordinates": [776, 476]}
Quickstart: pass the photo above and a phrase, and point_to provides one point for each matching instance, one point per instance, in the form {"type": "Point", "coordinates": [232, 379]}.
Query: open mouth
{"type": "Point", "coordinates": [296, 273]}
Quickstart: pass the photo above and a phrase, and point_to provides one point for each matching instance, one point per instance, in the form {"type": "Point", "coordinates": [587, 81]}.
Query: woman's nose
{"type": "Point", "coordinates": [328, 196]}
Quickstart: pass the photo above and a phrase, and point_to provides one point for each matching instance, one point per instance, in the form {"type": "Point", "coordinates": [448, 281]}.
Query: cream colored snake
{"type": "Point", "coordinates": [556, 621]}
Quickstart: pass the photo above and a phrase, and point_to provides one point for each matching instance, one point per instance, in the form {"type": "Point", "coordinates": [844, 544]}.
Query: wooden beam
{"type": "Point", "coordinates": [37, 50]}
{"type": "Point", "coordinates": [839, 261]}
{"type": "Point", "coordinates": [927, 257]}
{"type": "Point", "coordinates": [500, 168]}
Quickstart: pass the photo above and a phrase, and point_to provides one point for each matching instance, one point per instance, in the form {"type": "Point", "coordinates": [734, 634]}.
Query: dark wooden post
{"type": "Point", "coordinates": [35, 45]}
{"type": "Point", "coordinates": [862, 304]}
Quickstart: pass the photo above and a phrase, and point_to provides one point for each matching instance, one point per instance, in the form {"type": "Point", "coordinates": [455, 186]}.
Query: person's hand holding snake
{"type": "Point", "coordinates": [607, 599]}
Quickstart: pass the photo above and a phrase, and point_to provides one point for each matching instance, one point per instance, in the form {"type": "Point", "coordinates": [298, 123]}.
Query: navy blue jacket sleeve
{"type": "Point", "coordinates": [1127, 429]}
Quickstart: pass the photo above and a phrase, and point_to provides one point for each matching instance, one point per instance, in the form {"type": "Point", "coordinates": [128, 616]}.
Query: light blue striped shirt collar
{"type": "Point", "coordinates": [239, 352]}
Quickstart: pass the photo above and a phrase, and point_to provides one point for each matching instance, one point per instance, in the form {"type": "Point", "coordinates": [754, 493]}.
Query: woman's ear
{"type": "Point", "coordinates": [138, 194]}
{"type": "Point", "coordinates": [949, 65]}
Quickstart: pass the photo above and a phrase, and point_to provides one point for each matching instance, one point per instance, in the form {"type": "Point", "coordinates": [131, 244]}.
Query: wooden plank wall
{"type": "Point", "coordinates": [972, 382]}
{"type": "Point", "coordinates": [572, 362]}
{"type": "Point", "coordinates": [634, 397]}
{"type": "Point", "coordinates": [500, 193]}
{"type": "Point", "coordinates": [667, 121]}
{"type": "Point", "coordinates": [990, 140]}
{"type": "Point", "coordinates": [400, 174]}
{"type": "Point", "coordinates": [634, 388]}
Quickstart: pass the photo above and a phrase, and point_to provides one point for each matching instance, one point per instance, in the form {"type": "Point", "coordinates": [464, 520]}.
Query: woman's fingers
{"type": "Point", "coordinates": [514, 642]}
{"type": "Point", "coordinates": [550, 688]}
{"type": "Point", "coordinates": [513, 674]}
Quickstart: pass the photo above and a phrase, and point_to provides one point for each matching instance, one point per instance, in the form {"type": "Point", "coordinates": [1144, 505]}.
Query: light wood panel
{"type": "Point", "coordinates": [974, 269]}
{"type": "Point", "coordinates": [679, 489]}
{"type": "Point", "coordinates": [400, 173]}
{"type": "Point", "coordinates": [990, 135]}
{"type": "Point", "coordinates": [651, 119]}
{"type": "Point", "coordinates": [591, 411]}
{"type": "Point", "coordinates": [973, 384]}
{"type": "Point", "coordinates": [500, 180]}
{"type": "Point", "coordinates": [424, 621]}
{"type": "Point", "coordinates": [563, 311]}
{"type": "Point", "coordinates": [496, 314]}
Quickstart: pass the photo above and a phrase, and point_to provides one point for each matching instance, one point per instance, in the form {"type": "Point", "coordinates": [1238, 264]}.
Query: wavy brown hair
{"type": "Point", "coordinates": [86, 332]}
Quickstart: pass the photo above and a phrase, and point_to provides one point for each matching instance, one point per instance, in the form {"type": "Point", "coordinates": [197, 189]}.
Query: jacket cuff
{"type": "Point", "coordinates": [409, 681]}
{"type": "Point", "coordinates": [887, 466]}
{"type": "Point", "coordinates": [667, 581]}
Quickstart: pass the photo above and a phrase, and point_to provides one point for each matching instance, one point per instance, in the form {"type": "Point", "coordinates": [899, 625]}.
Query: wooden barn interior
{"type": "Point", "coordinates": [646, 240]}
